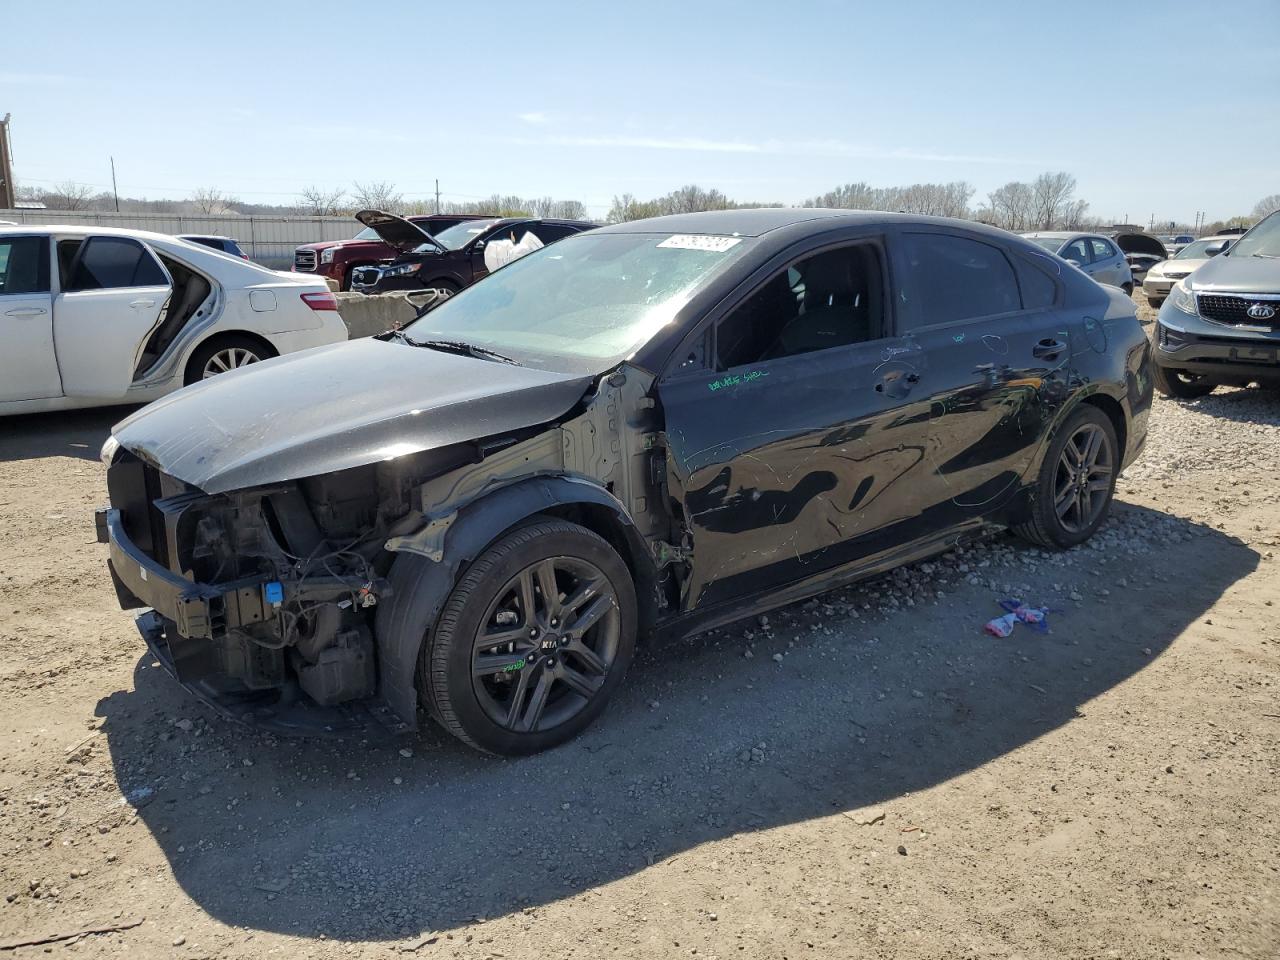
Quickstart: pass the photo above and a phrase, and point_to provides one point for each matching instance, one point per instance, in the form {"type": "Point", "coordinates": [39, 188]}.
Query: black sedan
{"type": "Point", "coordinates": [649, 429]}
{"type": "Point", "coordinates": [456, 257]}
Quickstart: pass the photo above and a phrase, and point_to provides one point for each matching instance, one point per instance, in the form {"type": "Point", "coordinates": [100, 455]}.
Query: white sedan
{"type": "Point", "coordinates": [1161, 278]}
{"type": "Point", "coordinates": [96, 316]}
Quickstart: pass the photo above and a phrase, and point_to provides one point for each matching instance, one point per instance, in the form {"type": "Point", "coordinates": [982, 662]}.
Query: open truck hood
{"type": "Point", "coordinates": [337, 407]}
{"type": "Point", "coordinates": [402, 234]}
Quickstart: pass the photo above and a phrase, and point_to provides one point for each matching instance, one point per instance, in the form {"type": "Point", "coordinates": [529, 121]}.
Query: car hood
{"type": "Point", "coordinates": [1177, 266]}
{"type": "Point", "coordinates": [334, 244]}
{"type": "Point", "coordinates": [337, 407]}
{"type": "Point", "coordinates": [1140, 243]}
{"type": "Point", "coordinates": [1233, 274]}
{"type": "Point", "coordinates": [400, 233]}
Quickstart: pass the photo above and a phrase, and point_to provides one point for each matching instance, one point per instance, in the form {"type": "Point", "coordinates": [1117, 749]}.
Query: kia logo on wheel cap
{"type": "Point", "coordinates": [1261, 311]}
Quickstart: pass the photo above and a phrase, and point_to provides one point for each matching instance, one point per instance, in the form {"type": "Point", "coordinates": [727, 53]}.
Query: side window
{"type": "Point", "coordinates": [1101, 249]}
{"type": "Point", "coordinates": [1039, 290]}
{"type": "Point", "coordinates": [830, 299]}
{"type": "Point", "coordinates": [1075, 250]}
{"type": "Point", "coordinates": [24, 265]}
{"type": "Point", "coordinates": [551, 232]}
{"type": "Point", "coordinates": [949, 278]}
{"type": "Point", "coordinates": [112, 262]}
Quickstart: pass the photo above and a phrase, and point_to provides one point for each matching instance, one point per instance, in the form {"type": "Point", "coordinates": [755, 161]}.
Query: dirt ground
{"type": "Point", "coordinates": [864, 775]}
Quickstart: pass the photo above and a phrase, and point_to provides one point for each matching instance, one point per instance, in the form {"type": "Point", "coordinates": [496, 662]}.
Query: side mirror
{"type": "Point", "coordinates": [1214, 249]}
{"type": "Point", "coordinates": [477, 246]}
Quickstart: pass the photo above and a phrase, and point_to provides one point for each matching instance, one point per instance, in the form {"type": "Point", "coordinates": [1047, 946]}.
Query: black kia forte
{"type": "Point", "coordinates": [644, 430]}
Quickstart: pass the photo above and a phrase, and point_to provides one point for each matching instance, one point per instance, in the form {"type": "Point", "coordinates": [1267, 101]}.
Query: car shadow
{"type": "Point", "coordinates": [350, 840]}
{"type": "Point", "coordinates": [73, 433]}
{"type": "Point", "coordinates": [1254, 404]}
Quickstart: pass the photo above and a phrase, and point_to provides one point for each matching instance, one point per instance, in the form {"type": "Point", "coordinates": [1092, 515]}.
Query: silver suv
{"type": "Point", "coordinates": [1221, 325]}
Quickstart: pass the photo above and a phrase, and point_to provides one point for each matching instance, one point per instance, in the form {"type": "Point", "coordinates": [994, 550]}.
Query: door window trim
{"type": "Point", "coordinates": [707, 326]}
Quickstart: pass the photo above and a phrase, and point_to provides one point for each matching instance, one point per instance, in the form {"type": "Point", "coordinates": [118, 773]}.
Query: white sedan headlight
{"type": "Point", "coordinates": [326, 255]}
{"type": "Point", "coordinates": [1181, 298]}
{"type": "Point", "coordinates": [108, 452]}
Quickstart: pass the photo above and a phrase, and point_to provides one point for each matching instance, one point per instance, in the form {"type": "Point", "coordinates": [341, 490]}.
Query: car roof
{"type": "Point", "coordinates": [204, 236]}
{"type": "Point", "coordinates": [761, 221]}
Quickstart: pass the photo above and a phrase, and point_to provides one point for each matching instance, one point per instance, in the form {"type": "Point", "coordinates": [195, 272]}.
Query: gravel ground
{"type": "Point", "coordinates": [865, 774]}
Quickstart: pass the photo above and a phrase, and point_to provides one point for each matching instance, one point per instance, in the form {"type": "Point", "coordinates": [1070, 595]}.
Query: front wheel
{"type": "Point", "coordinates": [1127, 288]}
{"type": "Point", "coordinates": [532, 641]}
{"type": "Point", "coordinates": [1077, 481]}
{"type": "Point", "coordinates": [1181, 385]}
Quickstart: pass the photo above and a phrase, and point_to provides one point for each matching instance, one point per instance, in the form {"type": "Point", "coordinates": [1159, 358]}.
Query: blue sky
{"type": "Point", "coordinates": [1167, 110]}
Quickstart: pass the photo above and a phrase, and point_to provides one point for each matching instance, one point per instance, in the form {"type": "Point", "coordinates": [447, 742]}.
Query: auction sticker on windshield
{"type": "Point", "coordinates": [691, 241]}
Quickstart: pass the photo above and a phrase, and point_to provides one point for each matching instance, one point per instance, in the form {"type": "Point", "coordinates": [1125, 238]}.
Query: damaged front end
{"type": "Point", "coordinates": [262, 600]}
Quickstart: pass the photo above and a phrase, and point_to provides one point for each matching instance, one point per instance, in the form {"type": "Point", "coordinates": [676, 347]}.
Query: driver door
{"type": "Point", "coordinates": [28, 364]}
{"type": "Point", "coordinates": [114, 293]}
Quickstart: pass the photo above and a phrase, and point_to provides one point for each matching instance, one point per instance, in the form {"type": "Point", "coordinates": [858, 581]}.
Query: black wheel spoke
{"type": "Point", "coordinates": [1065, 498]}
{"type": "Point", "coordinates": [497, 638]}
{"type": "Point", "coordinates": [587, 657]}
{"type": "Point", "coordinates": [546, 578]}
{"type": "Point", "coordinates": [528, 718]}
{"type": "Point", "coordinates": [518, 694]}
{"type": "Point", "coordinates": [489, 664]}
{"type": "Point", "coordinates": [580, 683]}
{"type": "Point", "coordinates": [591, 615]}
{"type": "Point", "coordinates": [528, 607]}
{"type": "Point", "coordinates": [583, 592]}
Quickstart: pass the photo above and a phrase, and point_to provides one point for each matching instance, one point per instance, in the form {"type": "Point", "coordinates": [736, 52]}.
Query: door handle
{"type": "Point", "coordinates": [1048, 349]}
{"type": "Point", "coordinates": [26, 312]}
{"type": "Point", "coordinates": [139, 304]}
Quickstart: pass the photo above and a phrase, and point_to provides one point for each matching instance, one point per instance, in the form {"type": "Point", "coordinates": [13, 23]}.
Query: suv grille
{"type": "Point", "coordinates": [304, 260]}
{"type": "Point", "coordinates": [1234, 310]}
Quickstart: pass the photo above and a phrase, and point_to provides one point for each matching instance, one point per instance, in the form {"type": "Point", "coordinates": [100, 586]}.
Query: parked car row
{"type": "Point", "coordinates": [94, 316]}
{"type": "Point", "coordinates": [644, 429]}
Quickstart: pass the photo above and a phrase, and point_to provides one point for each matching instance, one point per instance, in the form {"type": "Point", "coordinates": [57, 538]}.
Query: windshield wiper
{"type": "Point", "coordinates": [466, 349]}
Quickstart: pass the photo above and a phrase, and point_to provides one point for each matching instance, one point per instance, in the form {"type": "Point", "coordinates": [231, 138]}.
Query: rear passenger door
{"type": "Point", "coordinates": [114, 291]}
{"type": "Point", "coordinates": [28, 365]}
{"type": "Point", "coordinates": [988, 321]}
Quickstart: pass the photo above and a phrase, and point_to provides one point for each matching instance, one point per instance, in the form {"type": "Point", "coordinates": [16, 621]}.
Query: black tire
{"type": "Point", "coordinates": [442, 284]}
{"type": "Point", "coordinates": [345, 285]}
{"type": "Point", "coordinates": [1128, 289]}
{"type": "Point", "coordinates": [1181, 385]}
{"type": "Point", "coordinates": [1049, 525]}
{"type": "Point", "coordinates": [463, 682]}
{"type": "Point", "coordinates": [1155, 302]}
{"type": "Point", "coordinates": [236, 345]}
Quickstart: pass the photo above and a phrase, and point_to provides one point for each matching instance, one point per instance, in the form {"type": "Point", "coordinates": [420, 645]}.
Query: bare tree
{"type": "Point", "coordinates": [376, 195]}
{"type": "Point", "coordinates": [1053, 194]}
{"type": "Point", "coordinates": [1266, 205]}
{"type": "Point", "coordinates": [209, 200]}
{"type": "Point", "coordinates": [1010, 206]}
{"type": "Point", "coordinates": [321, 202]}
{"type": "Point", "coordinates": [69, 195]}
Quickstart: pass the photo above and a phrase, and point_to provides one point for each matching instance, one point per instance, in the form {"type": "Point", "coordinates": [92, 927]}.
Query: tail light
{"type": "Point", "coordinates": [320, 301]}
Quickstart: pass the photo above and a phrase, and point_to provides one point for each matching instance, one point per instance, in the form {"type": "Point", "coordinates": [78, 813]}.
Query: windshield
{"type": "Point", "coordinates": [1052, 244]}
{"type": "Point", "coordinates": [1262, 241]}
{"type": "Point", "coordinates": [457, 236]}
{"type": "Point", "coordinates": [589, 297]}
{"type": "Point", "coordinates": [1195, 251]}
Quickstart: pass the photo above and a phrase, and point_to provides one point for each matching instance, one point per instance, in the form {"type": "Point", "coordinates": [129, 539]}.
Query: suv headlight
{"type": "Point", "coordinates": [1181, 298]}
{"type": "Point", "coordinates": [400, 269]}
{"type": "Point", "coordinates": [326, 255]}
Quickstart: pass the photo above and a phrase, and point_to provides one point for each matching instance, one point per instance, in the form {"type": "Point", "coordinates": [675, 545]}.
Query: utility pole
{"type": "Point", "coordinates": [113, 184]}
{"type": "Point", "coordinates": [7, 193]}
{"type": "Point", "coordinates": [437, 194]}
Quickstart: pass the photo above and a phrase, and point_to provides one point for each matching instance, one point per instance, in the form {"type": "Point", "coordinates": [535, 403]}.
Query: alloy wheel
{"type": "Point", "coordinates": [1083, 478]}
{"type": "Point", "coordinates": [228, 359]}
{"type": "Point", "coordinates": [546, 644]}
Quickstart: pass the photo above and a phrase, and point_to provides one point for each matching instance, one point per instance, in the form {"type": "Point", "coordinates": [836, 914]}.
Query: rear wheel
{"type": "Point", "coordinates": [222, 354]}
{"type": "Point", "coordinates": [1077, 481]}
{"type": "Point", "coordinates": [1182, 385]}
{"type": "Point", "coordinates": [532, 641]}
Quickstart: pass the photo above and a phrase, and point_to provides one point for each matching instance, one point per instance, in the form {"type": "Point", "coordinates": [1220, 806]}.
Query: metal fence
{"type": "Point", "coordinates": [267, 240]}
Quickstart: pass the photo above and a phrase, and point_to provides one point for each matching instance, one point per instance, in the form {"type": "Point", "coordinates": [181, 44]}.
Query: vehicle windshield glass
{"type": "Point", "coordinates": [595, 297]}
{"type": "Point", "coordinates": [1194, 251]}
{"type": "Point", "coordinates": [1262, 241]}
{"type": "Point", "coordinates": [1052, 244]}
{"type": "Point", "coordinates": [457, 236]}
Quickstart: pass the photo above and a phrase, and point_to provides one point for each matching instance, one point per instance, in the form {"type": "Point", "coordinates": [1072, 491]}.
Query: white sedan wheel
{"type": "Point", "coordinates": [228, 359]}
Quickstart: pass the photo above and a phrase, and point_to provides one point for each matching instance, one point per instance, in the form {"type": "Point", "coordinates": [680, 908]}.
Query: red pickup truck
{"type": "Point", "coordinates": [336, 259]}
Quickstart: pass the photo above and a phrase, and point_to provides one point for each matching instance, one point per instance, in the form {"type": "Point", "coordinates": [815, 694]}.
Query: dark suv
{"type": "Point", "coordinates": [1221, 324]}
{"type": "Point", "coordinates": [336, 259]}
{"type": "Point", "coordinates": [452, 259]}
